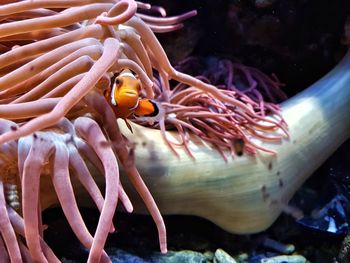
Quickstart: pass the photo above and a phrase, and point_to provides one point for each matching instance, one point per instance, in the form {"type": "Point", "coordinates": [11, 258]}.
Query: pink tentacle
{"type": "Point", "coordinates": [86, 150]}
{"type": "Point", "coordinates": [25, 252]}
{"type": "Point", "coordinates": [165, 138]}
{"type": "Point", "coordinates": [24, 145]}
{"type": "Point", "coordinates": [146, 196]}
{"type": "Point", "coordinates": [3, 252]}
{"type": "Point", "coordinates": [78, 164]}
{"type": "Point", "coordinates": [7, 232]}
{"type": "Point", "coordinates": [142, 5]}
{"type": "Point", "coordinates": [166, 28]}
{"type": "Point", "coordinates": [167, 21]}
{"type": "Point", "coordinates": [109, 56]}
{"type": "Point", "coordinates": [155, 9]}
{"type": "Point", "coordinates": [18, 225]}
{"type": "Point", "coordinates": [33, 165]}
{"type": "Point", "coordinates": [65, 194]}
{"type": "Point", "coordinates": [84, 176]}
{"type": "Point", "coordinates": [92, 133]}
{"type": "Point", "coordinates": [121, 12]}
{"type": "Point", "coordinates": [100, 104]}
{"type": "Point", "coordinates": [123, 197]}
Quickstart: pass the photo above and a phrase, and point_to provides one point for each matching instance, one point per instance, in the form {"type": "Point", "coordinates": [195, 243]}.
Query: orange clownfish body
{"type": "Point", "coordinates": [124, 97]}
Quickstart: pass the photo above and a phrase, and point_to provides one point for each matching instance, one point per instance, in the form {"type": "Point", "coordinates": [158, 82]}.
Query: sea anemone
{"type": "Point", "coordinates": [57, 60]}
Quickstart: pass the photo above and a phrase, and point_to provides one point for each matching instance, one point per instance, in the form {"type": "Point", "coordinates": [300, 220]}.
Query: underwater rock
{"type": "Point", "coordinates": [331, 218]}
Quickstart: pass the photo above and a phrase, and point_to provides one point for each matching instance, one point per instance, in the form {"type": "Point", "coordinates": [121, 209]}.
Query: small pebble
{"type": "Point", "coordinates": [285, 259]}
{"type": "Point", "coordinates": [242, 257]}
{"type": "Point", "coordinates": [221, 256]}
{"type": "Point", "coordinates": [278, 246]}
{"type": "Point", "coordinates": [209, 255]}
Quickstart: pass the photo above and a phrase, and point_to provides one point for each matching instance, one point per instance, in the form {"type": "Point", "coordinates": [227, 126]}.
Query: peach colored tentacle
{"type": "Point", "coordinates": [121, 12]}
{"type": "Point", "coordinates": [110, 54]}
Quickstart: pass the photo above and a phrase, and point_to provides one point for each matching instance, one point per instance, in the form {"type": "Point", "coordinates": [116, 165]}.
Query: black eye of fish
{"type": "Point", "coordinates": [118, 81]}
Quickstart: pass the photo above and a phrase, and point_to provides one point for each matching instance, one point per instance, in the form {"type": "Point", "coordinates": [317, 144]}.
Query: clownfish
{"type": "Point", "coordinates": [124, 97]}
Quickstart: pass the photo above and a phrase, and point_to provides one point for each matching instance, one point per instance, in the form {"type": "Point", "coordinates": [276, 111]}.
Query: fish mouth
{"type": "Point", "coordinates": [130, 93]}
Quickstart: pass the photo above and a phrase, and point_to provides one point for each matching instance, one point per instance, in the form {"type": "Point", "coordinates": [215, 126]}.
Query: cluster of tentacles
{"type": "Point", "coordinates": [55, 153]}
{"type": "Point", "coordinates": [57, 58]}
{"type": "Point", "coordinates": [193, 111]}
